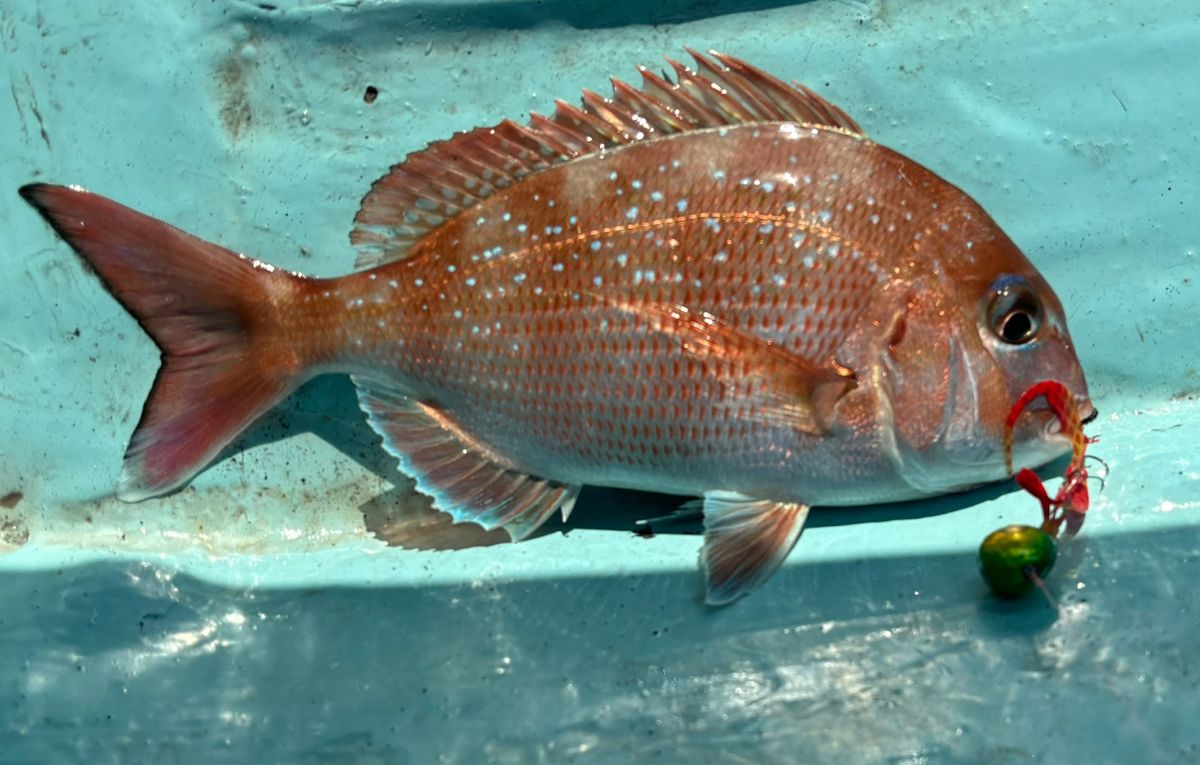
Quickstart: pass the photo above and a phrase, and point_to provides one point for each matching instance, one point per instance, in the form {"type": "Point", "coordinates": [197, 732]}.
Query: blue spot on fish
{"type": "Point", "coordinates": [595, 245]}
{"type": "Point", "coordinates": [656, 196]}
{"type": "Point", "coordinates": [631, 213]}
{"type": "Point", "coordinates": [681, 205]}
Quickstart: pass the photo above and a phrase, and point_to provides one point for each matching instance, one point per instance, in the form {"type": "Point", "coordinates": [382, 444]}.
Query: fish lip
{"type": "Point", "coordinates": [1092, 412]}
{"type": "Point", "coordinates": [1086, 409]}
{"type": "Point", "coordinates": [1053, 426]}
{"type": "Point", "coordinates": [1087, 414]}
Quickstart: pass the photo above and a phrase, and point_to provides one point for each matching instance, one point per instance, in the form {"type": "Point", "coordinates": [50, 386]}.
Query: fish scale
{"type": "Point", "coordinates": [715, 286]}
{"type": "Point", "coordinates": [515, 298]}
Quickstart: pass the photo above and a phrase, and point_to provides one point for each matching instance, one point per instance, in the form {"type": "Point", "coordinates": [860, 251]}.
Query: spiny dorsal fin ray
{"type": "Point", "coordinates": [437, 184]}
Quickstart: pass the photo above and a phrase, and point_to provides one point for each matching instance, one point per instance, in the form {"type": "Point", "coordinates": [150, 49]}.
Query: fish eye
{"type": "Point", "coordinates": [1015, 313]}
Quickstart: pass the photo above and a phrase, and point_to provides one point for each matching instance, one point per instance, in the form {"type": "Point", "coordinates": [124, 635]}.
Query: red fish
{"type": "Point", "coordinates": [714, 286]}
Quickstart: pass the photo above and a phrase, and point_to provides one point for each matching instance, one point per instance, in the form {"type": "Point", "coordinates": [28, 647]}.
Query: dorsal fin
{"type": "Point", "coordinates": [435, 185]}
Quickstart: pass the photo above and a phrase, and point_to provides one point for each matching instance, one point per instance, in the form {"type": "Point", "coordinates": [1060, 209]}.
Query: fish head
{"type": "Point", "coordinates": [983, 327]}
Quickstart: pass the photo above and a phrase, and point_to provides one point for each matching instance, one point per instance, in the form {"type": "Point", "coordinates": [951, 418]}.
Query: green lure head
{"type": "Point", "coordinates": [1013, 558]}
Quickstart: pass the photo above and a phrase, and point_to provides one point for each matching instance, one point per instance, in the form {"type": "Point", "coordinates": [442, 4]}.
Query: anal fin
{"type": "Point", "coordinates": [745, 541]}
{"type": "Point", "coordinates": [461, 476]}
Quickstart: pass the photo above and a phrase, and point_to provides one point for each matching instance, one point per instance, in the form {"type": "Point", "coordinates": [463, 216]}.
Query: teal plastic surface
{"type": "Point", "coordinates": [257, 616]}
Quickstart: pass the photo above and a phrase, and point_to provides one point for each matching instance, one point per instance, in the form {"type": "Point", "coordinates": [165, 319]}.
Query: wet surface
{"type": "Point", "coordinates": [888, 660]}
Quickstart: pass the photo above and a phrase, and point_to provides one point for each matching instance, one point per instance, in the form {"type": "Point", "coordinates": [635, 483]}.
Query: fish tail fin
{"type": "Point", "coordinates": [214, 314]}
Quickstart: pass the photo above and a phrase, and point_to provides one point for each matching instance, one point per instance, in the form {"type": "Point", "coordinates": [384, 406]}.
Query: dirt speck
{"type": "Point", "coordinates": [11, 500]}
{"type": "Point", "coordinates": [233, 86]}
{"type": "Point", "coordinates": [13, 531]}
{"type": "Point", "coordinates": [371, 94]}
{"type": "Point", "coordinates": [1186, 394]}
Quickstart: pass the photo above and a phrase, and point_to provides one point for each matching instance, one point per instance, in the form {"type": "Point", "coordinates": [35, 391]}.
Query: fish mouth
{"type": "Point", "coordinates": [1087, 415]}
{"type": "Point", "coordinates": [1052, 426]}
{"type": "Point", "coordinates": [1092, 413]}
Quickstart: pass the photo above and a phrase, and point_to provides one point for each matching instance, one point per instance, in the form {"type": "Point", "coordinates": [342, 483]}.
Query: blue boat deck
{"type": "Point", "coordinates": [257, 615]}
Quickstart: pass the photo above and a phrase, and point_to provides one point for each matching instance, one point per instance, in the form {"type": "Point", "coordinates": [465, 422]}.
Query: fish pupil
{"type": "Point", "coordinates": [1015, 314]}
{"type": "Point", "coordinates": [1017, 327]}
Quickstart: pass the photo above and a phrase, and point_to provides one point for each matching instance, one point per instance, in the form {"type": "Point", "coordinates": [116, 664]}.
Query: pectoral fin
{"type": "Point", "coordinates": [745, 540]}
{"type": "Point", "coordinates": [779, 385]}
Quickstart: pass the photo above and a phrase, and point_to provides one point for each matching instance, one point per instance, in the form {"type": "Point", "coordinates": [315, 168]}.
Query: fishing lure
{"type": "Point", "coordinates": [1071, 502]}
{"type": "Point", "coordinates": [1015, 559]}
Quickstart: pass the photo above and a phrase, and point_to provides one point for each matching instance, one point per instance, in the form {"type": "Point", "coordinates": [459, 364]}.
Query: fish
{"type": "Point", "coordinates": [714, 285]}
